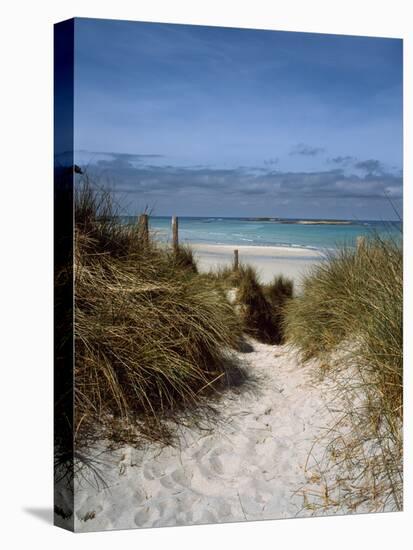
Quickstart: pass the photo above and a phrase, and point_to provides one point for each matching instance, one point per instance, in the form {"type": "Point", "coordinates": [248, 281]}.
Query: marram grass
{"type": "Point", "coordinates": [356, 295]}
{"type": "Point", "coordinates": [350, 318]}
{"type": "Point", "coordinates": [151, 337]}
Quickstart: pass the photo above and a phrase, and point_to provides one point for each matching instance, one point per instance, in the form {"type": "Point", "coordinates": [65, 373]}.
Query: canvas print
{"type": "Point", "coordinates": [228, 274]}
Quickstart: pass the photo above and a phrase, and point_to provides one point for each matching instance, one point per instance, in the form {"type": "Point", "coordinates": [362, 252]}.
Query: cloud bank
{"type": "Point", "coordinates": [129, 176]}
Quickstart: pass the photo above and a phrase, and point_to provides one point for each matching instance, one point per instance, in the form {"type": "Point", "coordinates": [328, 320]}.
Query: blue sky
{"type": "Point", "coordinates": [210, 121]}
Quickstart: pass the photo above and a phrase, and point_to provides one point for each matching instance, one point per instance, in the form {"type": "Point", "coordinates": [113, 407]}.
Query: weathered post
{"type": "Point", "coordinates": [236, 260]}
{"type": "Point", "coordinates": [360, 242]}
{"type": "Point", "coordinates": [175, 233]}
{"type": "Point", "coordinates": [144, 228]}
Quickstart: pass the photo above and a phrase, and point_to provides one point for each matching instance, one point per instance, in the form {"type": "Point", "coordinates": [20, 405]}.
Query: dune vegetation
{"type": "Point", "coordinates": [356, 295]}
{"type": "Point", "coordinates": [150, 340]}
{"type": "Point", "coordinates": [350, 318]}
{"type": "Point", "coordinates": [260, 306]}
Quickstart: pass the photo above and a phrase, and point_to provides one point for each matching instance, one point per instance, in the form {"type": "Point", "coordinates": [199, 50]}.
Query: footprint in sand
{"type": "Point", "coordinates": [216, 465]}
{"type": "Point", "coordinates": [153, 471]}
{"type": "Point", "coordinates": [205, 516]}
{"type": "Point", "coordinates": [181, 477]}
{"type": "Point", "coordinates": [146, 516]}
{"type": "Point", "coordinates": [222, 508]}
{"type": "Point", "coordinates": [167, 482]}
{"type": "Point", "coordinates": [140, 496]}
{"type": "Point", "coordinates": [204, 449]}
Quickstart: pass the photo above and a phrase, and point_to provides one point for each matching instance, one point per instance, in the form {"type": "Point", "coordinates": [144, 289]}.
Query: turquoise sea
{"type": "Point", "coordinates": [256, 232]}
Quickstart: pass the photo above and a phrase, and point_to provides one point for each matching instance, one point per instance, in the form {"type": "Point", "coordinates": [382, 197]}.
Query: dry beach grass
{"type": "Point", "coordinates": [350, 318]}
{"type": "Point", "coordinates": [150, 340]}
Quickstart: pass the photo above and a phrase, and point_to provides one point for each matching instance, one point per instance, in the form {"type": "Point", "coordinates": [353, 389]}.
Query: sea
{"type": "Point", "coordinates": [271, 232]}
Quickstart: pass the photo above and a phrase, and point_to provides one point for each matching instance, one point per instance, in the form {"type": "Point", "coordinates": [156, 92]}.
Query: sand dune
{"type": "Point", "coordinates": [250, 465]}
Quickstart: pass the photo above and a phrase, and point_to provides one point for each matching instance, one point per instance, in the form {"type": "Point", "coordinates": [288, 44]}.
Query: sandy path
{"type": "Point", "coordinates": [248, 467]}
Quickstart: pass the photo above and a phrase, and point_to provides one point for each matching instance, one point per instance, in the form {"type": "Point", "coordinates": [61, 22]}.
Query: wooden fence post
{"type": "Point", "coordinates": [236, 260]}
{"type": "Point", "coordinates": [175, 233]}
{"type": "Point", "coordinates": [144, 228]}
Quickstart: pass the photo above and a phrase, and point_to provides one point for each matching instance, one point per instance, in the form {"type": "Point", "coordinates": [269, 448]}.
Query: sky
{"type": "Point", "coordinates": [209, 121]}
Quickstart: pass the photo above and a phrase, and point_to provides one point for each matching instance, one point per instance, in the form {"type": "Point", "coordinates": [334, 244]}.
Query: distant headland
{"type": "Point", "coordinates": [302, 222]}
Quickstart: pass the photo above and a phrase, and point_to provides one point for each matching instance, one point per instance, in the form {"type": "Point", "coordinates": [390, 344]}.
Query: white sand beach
{"type": "Point", "coordinates": [269, 260]}
{"type": "Point", "coordinates": [256, 461]}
